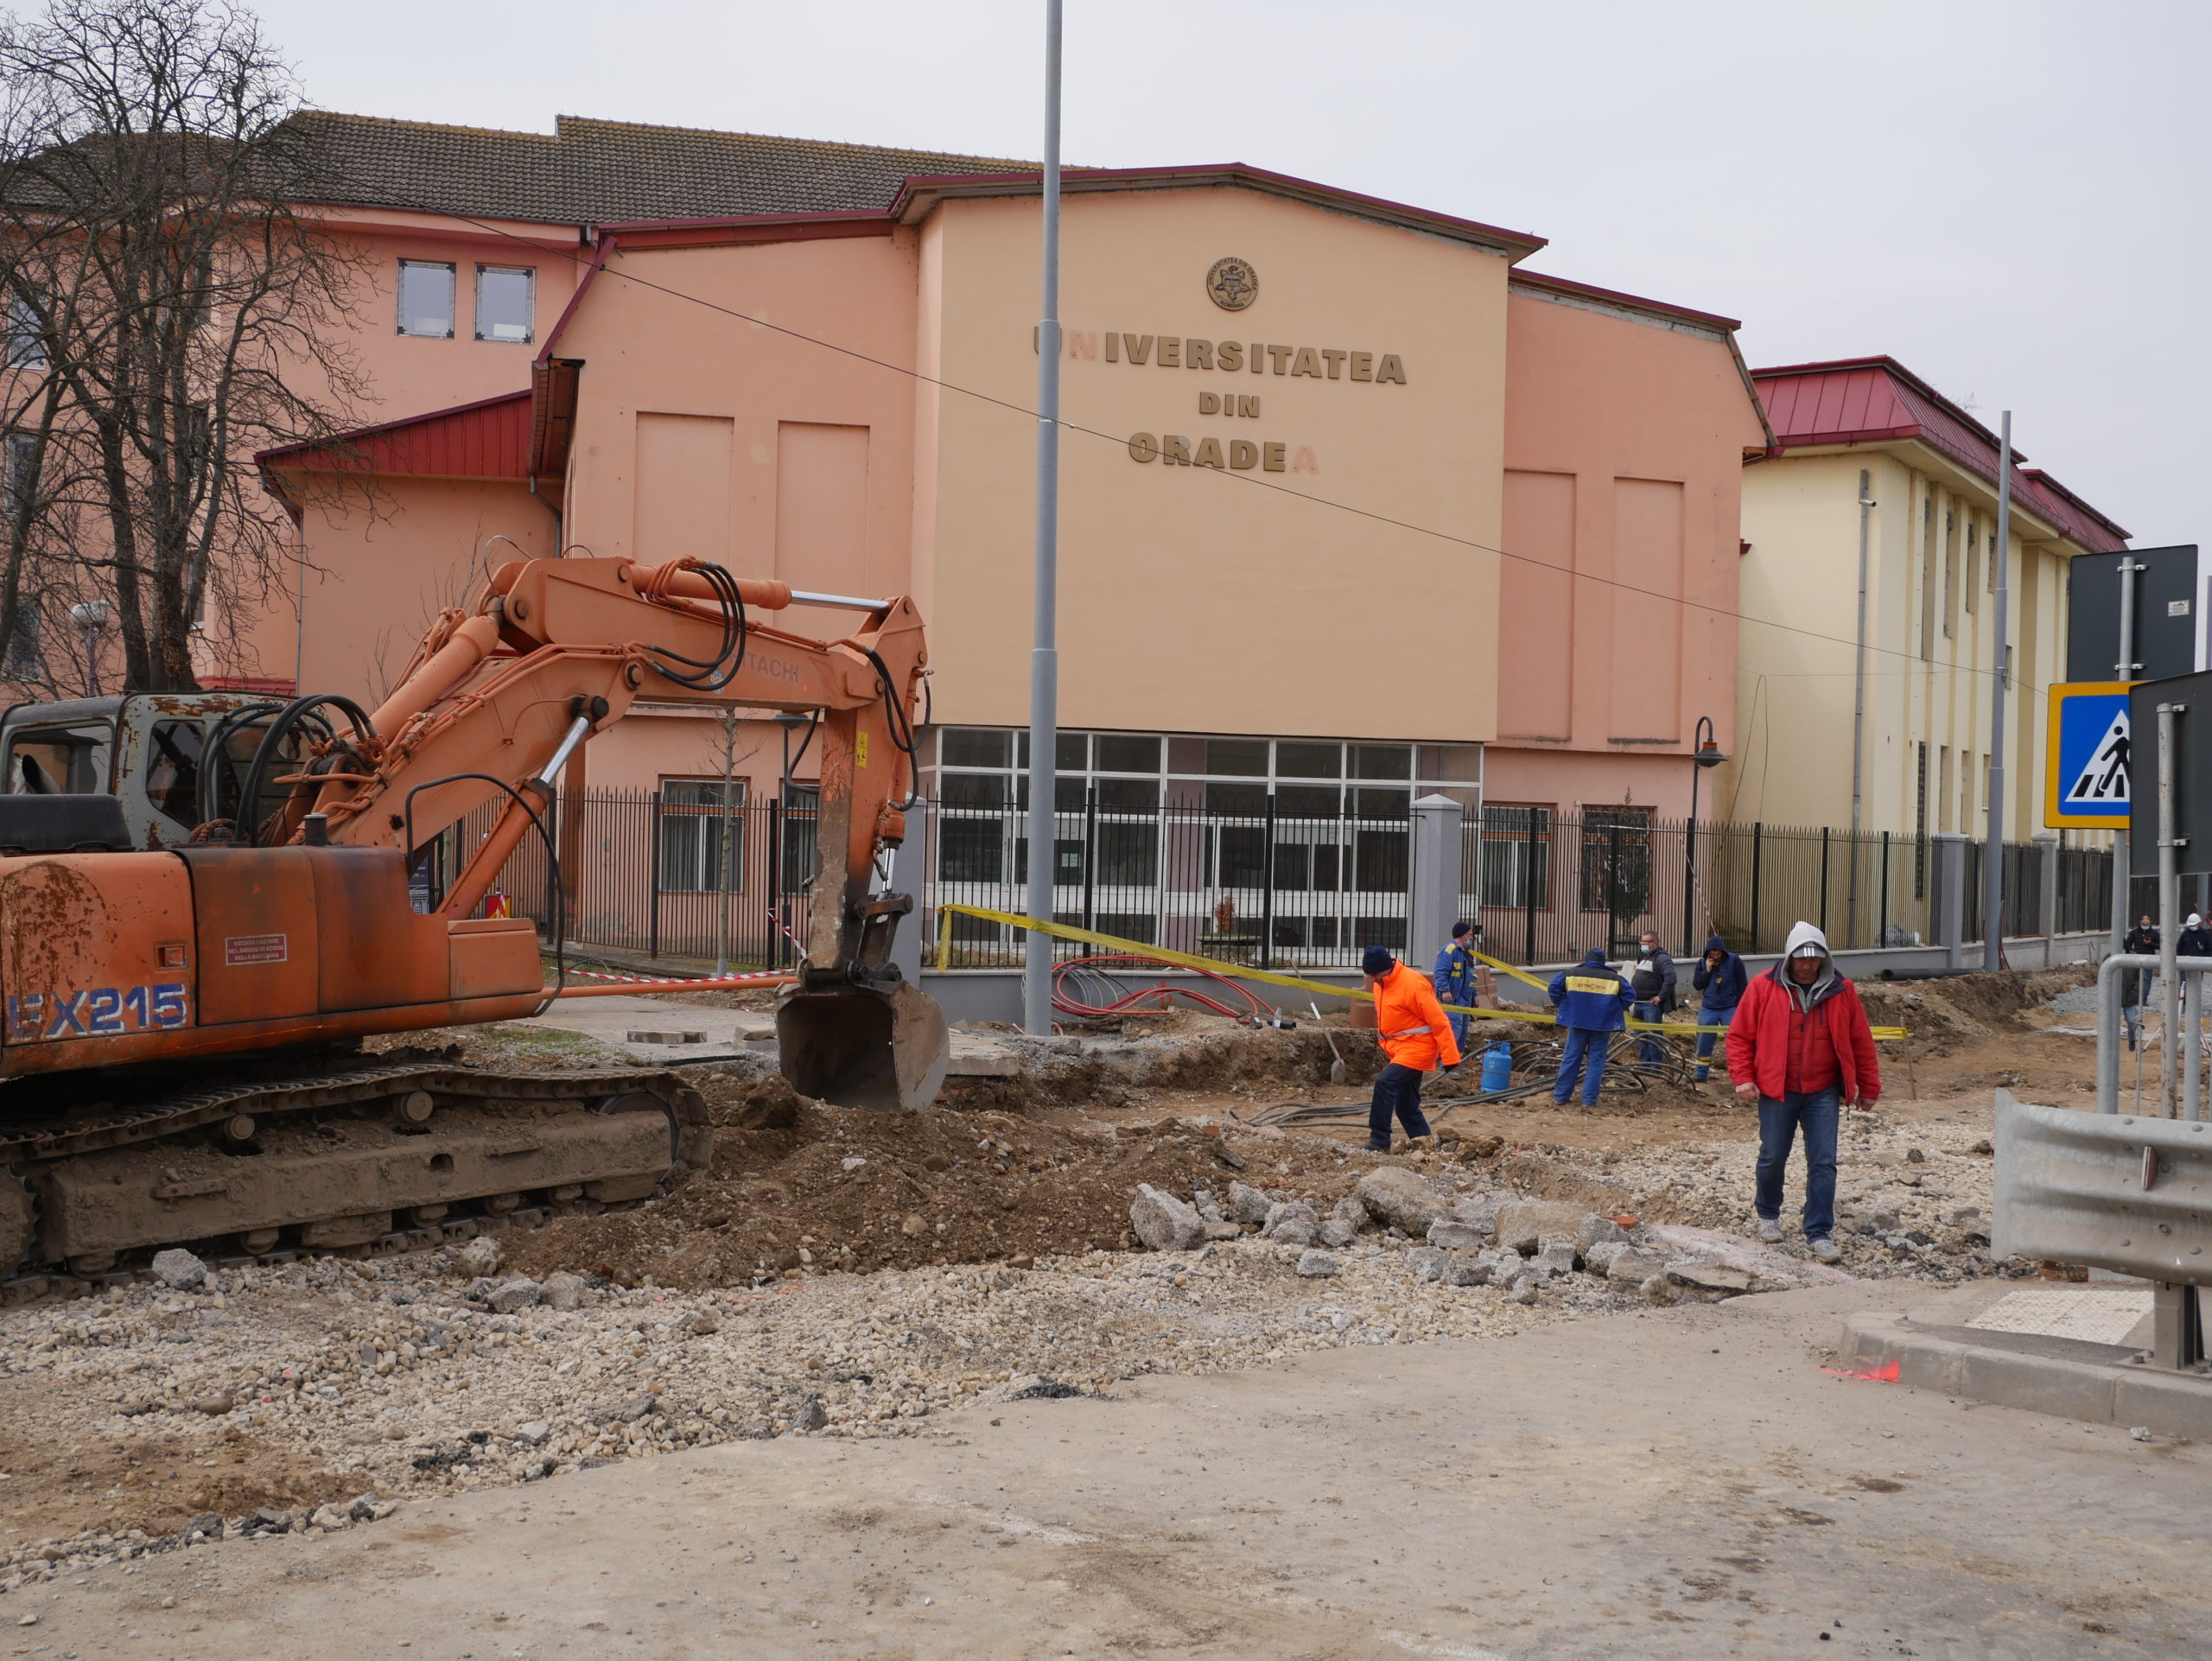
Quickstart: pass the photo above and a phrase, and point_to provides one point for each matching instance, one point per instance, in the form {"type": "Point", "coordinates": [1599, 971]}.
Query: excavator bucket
{"type": "Point", "coordinates": [862, 1047]}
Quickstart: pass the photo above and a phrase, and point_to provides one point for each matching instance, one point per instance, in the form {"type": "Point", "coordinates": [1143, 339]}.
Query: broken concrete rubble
{"type": "Point", "coordinates": [1522, 1223]}
{"type": "Point", "coordinates": [1397, 1197]}
{"type": "Point", "coordinates": [1163, 1222]}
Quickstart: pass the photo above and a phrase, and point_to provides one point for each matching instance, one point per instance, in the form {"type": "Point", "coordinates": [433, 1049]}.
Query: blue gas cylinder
{"type": "Point", "coordinates": [1497, 1068]}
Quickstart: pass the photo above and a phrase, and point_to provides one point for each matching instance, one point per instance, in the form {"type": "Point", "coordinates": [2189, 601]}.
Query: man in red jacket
{"type": "Point", "coordinates": [1800, 1043]}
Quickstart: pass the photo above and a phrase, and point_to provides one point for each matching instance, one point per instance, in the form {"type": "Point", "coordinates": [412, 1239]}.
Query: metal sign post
{"type": "Point", "coordinates": [2124, 669]}
{"type": "Point", "coordinates": [2169, 908]}
{"type": "Point", "coordinates": [1044, 655]}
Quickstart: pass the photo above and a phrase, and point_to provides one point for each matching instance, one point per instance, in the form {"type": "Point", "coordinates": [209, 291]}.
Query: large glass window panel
{"type": "Point", "coordinates": [1124, 753]}
{"type": "Point", "coordinates": [1383, 760]}
{"type": "Point", "coordinates": [972, 746]}
{"type": "Point", "coordinates": [506, 304]}
{"type": "Point", "coordinates": [426, 299]}
{"type": "Point", "coordinates": [1238, 758]}
{"type": "Point", "coordinates": [1300, 760]}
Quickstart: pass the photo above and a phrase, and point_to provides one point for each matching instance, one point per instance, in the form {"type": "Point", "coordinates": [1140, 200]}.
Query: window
{"type": "Point", "coordinates": [1950, 574]}
{"type": "Point", "coordinates": [702, 835]}
{"type": "Point", "coordinates": [173, 770]}
{"type": "Point", "coordinates": [25, 657]}
{"type": "Point", "coordinates": [60, 761]}
{"type": "Point", "coordinates": [17, 486]}
{"type": "Point", "coordinates": [426, 299]}
{"type": "Point", "coordinates": [26, 343]}
{"type": "Point", "coordinates": [1928, 575]}
{"type": "Point", "coordinates": [1516, 856]}
{"type": "Point", "coordinates": [1617, 861]}
{"type": "Point", "coordinates": [1974, 565]}
{"type": "Point", "coordinates": [507, 300]}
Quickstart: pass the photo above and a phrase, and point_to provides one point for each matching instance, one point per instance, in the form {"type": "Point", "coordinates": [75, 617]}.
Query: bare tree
{"type": "Point", "coordinates": [172, 307]}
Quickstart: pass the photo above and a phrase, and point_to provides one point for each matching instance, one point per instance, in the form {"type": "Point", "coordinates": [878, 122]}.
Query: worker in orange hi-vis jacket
{"type": "Point", "coordinates": [1409, 1022]}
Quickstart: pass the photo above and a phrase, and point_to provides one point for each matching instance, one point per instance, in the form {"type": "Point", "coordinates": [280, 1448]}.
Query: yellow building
{"type": "Point", "coordinates": [1931, 472]}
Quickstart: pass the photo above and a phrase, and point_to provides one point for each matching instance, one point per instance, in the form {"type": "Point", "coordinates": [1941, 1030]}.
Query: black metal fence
{"type": "Point", "coordinates": [704, 879]}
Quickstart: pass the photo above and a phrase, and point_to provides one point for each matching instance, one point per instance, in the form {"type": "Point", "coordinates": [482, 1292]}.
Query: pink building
{"type": "Point", "coordinates": [1283, 503]}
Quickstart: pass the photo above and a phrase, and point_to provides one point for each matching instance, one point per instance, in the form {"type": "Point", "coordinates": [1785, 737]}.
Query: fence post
{"type": "Point", "coordinates": [775, 880]}
{"type": "Point", "coordinates": [1882, 915]}
{"type": "Point", "coordinates": [652, 949]}
{"type": "Point", "coordinates": [1824, 881]}
{"type": "Point", "coordinates": [1690, 943]}
{"type": "Point", "coordinates": [1434, 886]}
{"type": "Point", "coordinates": [1613, 885]}
{"type": "Point", "coordinates": [1950, 897]}
{"type": "Point", "coordinates": [1529, 884]}
{"type": "Point", "coordinates": [1758, 830]}
{"type": "Point", "coordinates": [1268, 894]}
{"type": "Point", "coordinates": [2045, 844]}
{"type": "Point", "coordinates": [1090, 855]}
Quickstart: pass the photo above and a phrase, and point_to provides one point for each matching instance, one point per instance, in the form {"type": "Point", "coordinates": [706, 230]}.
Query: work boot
{"type": "Point", "coordinates": [1771, 1230]}
{"type": "Point", "coordinates": [1826, 1251]}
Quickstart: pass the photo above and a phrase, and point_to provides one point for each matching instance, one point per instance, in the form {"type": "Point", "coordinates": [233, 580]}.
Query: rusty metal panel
{"type": "Point", "coordinates": [2123, 1191]}
{"type": "Point", "coordinates": [257, 930]}
{"type": "Point", "coordinates": [94, 949]}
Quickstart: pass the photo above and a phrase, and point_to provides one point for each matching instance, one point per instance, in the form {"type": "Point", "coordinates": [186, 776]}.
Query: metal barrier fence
{"type": "Point", "coordinates": [681, 874]}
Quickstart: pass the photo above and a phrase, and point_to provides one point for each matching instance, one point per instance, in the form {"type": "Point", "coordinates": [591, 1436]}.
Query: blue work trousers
{"type": "Point", "coordinates": [1713, 1029]}
{"type": "Point", "coordinates": [1582, 1042]}
{"type": "Point", "coordinates": [1648, 1047]}
{"type": "Point", "coordinates": [1819, 1112]}
{"type": "Point", "coordinates": [1397, 1089]}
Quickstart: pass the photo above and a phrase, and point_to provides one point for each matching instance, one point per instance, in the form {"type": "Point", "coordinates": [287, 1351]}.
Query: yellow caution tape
{"type": "Point", "coordinates": [1245, 971]}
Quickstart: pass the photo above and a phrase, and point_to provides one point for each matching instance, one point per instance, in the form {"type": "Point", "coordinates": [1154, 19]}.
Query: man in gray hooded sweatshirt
{"type": "Point", "coordinates": [1801, 1043]}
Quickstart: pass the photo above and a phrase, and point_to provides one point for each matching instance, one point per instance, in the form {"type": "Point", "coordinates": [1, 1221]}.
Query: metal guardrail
{"type": "Point", "coordinates": [2130, 1193]}
{"type": "Point", "coordinates": [2193, 971]}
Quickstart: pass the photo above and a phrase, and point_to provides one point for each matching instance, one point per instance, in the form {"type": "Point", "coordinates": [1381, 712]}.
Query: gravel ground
{"type": "Point", "coordinates": [325, 1380]}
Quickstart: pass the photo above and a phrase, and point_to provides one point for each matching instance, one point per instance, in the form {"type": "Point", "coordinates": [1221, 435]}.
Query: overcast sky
{"type": "Point", "coordinates": [2011, 199]}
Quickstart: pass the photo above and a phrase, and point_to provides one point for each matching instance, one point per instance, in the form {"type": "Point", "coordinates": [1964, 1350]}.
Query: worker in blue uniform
{"type": "Point", "coordinates": [1455, 976]}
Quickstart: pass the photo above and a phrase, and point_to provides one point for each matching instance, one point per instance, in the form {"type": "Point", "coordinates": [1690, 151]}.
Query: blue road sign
{"type": "Point", "coordinates": [2085, 767]}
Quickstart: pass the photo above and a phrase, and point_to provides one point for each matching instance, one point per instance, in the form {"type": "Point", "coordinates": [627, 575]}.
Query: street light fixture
{"type": "Point", "coordinates": [91, 616]}
{"type": "Point", "coordinates": [1705, 752]}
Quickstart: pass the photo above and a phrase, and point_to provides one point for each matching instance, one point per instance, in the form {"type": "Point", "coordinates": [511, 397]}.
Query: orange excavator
{"type": "Point", "coordinates": [180, 1048]}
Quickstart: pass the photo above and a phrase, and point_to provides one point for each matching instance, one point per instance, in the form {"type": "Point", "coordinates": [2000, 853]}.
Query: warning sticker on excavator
{"type": "Point", "coordinates": [239, 949]}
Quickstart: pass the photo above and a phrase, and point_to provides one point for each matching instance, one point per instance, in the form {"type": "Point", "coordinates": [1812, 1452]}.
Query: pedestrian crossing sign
{"type": "Point", "coordinates": [2085, 771]}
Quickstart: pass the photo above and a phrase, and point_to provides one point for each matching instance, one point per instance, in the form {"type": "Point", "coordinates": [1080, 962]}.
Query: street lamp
{"type": "Point", "coordinates": [1705, 753]}
{"type": "Point", "coordinates": [91, 616]}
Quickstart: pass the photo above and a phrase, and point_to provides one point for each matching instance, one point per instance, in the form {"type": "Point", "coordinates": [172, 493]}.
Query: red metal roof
{"type": "Point", "coordinates": [488, 439]}
{"type": "Point", "coordinates": [1877, 400]}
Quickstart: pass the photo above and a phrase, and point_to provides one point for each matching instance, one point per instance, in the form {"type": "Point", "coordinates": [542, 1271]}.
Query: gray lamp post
{"type": "Point", "coordinates": [1705, 752]}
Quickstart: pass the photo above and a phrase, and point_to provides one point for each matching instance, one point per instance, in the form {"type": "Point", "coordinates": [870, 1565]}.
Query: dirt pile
{"type": "Point", "coordinates": [796, 1186]}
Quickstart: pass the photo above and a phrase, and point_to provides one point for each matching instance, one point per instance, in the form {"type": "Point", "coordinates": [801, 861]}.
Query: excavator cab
{"type": "Point", "coordinates": [173, 760]}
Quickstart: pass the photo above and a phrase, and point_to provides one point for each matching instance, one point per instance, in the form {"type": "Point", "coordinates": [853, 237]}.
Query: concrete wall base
{"type": "Point", "coordinates": [2166, 1403]}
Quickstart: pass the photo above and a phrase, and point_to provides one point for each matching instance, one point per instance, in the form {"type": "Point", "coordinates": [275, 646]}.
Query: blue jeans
{"type": "Point", "coordinates": [1713, 1024]}
{"type": "Point", "coordinates": [1819, 1112]}
{"type": "Point", "coordinates": [1397, 1089]}
{"type": "Point", "coordinates": [1459, 1024]}
{"type": "Point", "coordinates": [1648, 1047]}
{"type": "Point", "coordinates": [1581, 1041]}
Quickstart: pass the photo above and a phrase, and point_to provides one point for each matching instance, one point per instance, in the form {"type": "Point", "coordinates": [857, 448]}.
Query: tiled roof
{"type": "Point", "coordinates": [1874, 400]}
{"type": "Point", "coordinates": [588, 172]}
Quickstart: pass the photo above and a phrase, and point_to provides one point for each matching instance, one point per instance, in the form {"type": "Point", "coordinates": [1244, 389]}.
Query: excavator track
{"type": "Point", "coordinates": [361, 1160]}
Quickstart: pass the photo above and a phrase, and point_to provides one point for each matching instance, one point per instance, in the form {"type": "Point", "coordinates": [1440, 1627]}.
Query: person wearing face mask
{"type": "Point", "coordinates": [1653, 980]}
{"type": "Point", "coordinates": [2196, 940]}
{"type": "Point", "coordinates": [1801, 1044]}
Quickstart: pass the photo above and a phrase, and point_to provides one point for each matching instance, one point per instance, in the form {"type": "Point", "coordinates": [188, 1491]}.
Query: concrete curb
{"type": "Point", "coordinates": [2169, 1405]}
